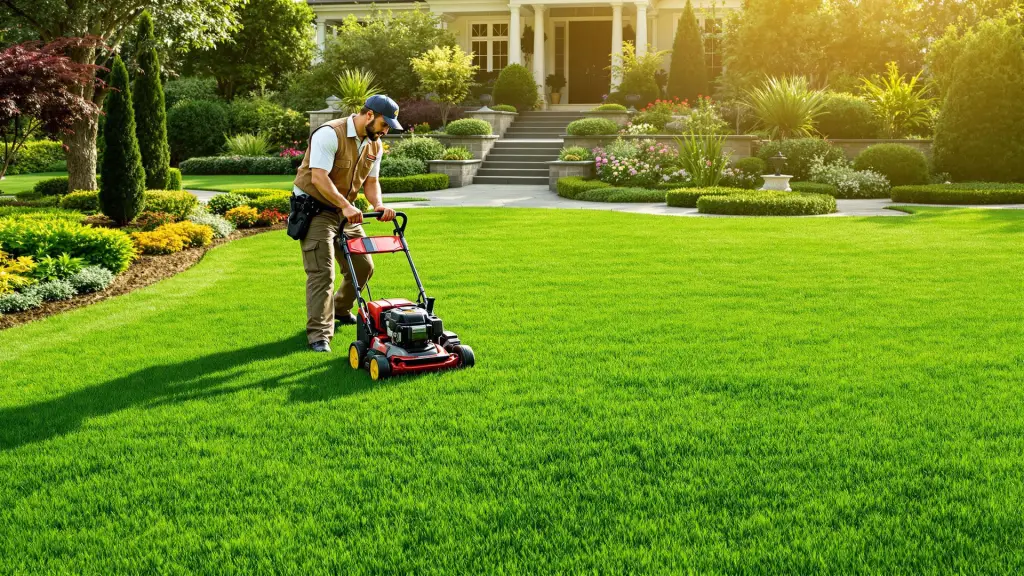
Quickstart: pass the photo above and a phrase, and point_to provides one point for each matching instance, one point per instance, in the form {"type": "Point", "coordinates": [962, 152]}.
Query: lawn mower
{"type": "Point", "coordinates": [395, 336]}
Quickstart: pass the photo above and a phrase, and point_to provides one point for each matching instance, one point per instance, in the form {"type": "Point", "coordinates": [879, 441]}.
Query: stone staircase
{"type": "Point", "coordinates": [520, 156]}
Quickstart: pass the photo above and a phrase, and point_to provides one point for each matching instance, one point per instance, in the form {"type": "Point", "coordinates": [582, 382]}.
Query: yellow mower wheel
{"type": "Point", "coordinates": [380, 368]}
{"type": "Point", "coordinates": [356, 354]}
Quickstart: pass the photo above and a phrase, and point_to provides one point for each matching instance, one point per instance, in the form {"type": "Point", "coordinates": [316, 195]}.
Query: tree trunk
{"type": "Point", "coordinates": [82, 154]}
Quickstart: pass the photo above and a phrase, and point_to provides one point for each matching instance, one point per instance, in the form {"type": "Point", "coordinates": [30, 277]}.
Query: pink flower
{"type": "Point", "coordinates": [709, 163]}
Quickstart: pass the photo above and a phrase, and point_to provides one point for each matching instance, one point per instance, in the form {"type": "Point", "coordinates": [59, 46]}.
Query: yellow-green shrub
{"type": "Point", "coordinates": [195, 235]}
{"type": "Point", "coordinates": [177, 203]}
{"type": "Point", "coordinates": [243, 216]}
{"type": "Point", "coordinates": [159, 241]}
{"type": "Point", "coordinates": [14, 272]}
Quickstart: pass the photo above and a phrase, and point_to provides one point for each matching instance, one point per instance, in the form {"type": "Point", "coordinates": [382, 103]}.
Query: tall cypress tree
{"type": "Point", "coordinates": [688, 76]}
{"type": "Point", "coordinates": [123, 184]}
{"type": "Point", "coordinates": [150, 113]}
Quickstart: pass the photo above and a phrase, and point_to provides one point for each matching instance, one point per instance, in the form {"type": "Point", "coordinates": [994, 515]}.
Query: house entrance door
{"type": "Point", "coordinates": [590, 48]}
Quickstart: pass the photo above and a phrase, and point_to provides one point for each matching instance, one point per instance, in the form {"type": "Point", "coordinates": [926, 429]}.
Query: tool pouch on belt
{"type": "Point", "coordinates": [304, 208]}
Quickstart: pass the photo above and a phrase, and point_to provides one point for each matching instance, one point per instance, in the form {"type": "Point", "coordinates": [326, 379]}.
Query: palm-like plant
{"type": "Point", "coordinates": [247, 145]}
{"type": "Point", "coordinates": [901, 106]}
{"type": "Point", "coordinates": [355, 87]}
{"type": "Point", "coordinates": [703, 158]}
{"type": "Point", "coordinates": [786, 107]}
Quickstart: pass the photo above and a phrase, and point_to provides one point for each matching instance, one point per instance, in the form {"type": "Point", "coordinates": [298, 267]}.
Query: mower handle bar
{"type": "Point", "coordinates": [399, 228]}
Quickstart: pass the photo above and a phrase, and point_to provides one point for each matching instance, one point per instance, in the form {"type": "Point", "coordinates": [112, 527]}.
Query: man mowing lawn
{"type": "Point", "coordinates": [343, 154]}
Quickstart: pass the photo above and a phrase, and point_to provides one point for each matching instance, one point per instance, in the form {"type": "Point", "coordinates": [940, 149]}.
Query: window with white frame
{"type": "Point", "coordinates": [489, 43]}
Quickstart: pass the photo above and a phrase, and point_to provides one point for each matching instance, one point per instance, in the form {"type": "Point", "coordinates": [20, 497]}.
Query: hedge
{"type": "Point", "coordinates": [591, 127]}
{"type": "Point", "coordinates": [814, 188]}
{"type": "Point", "coordinates": [573, 186]}
{"type": "Point", "coordinates": [37, 156]}
{"type": "Point", "coordinates": [468, 127]}
{"type": "Point", "coordinates": [960, 194]}
{"type": "Point", "coordinates": [237, 165]}
{"type": "Point", "coordinates": [615, 194]}
{"type": "Point", "coordinates": [767, 204]}
{"type": "Point", "coordinates": [112, 249]}
{"type": "Point", "coordinates": [688, 197]}
{"type": "Point", "coordinates": [902, 165]}
{"type": "Point", "coordinates": [417, 183]}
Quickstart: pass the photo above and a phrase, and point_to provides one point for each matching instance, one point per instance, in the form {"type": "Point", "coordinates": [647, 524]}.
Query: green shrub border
{"type": "Point", "coordinates": [571, 187]}
{"type": "Point", "coordinates": [688, 197]}
{"type": "Point", "coordinates": [417, 183]}
{"type": "Point", "coordinates": [814, 188]}
{"type": "Point", "coordinates": [981, 193]}
{"type": "Point", "coordinates": [767, 204]}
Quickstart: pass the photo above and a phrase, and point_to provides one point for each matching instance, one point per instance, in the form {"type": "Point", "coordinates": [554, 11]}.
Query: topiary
{"type": "Point", "coordinates": [516, 86]}
{"type": "Point", "coordinates": [591, 127]}
{"type": "Point", "coordinates": [799, 153]}
{"type": "Point", "coordinates": [973, 138]}
{"type": "Point", "coordinates": [847, 116]}
{"type": "Point", "coordinates": [221, 203]}
{"type": "Point", "coordinates": [767, 204]}
{"type": "Point", "coordinates": [572, 186]}
{"type": "Point", "coordinates": [174, 179]}
{"type": "Point", "coordinates": [902, 165]}
{"type": "Point", "coordinates": [196, 128]}
{"type": "Point", "coordinates": [124, 179]}
{"type": "Point", "coordinates": [468, 127]}
{"type": "Point", "coordinates": [610, 107]}
{"type": "Point", "coordinates": [687, 77]}
{"type": "Point", "coordinates": [150, 111]}
{"type": "Point", "coordinates": [392, 166]}
{"type": "Point", "coordinates": [504, 108]}
{"type": "Point", "coordinates": [422, 149]}
{"type": "Point", "coordinates": [688, 197]}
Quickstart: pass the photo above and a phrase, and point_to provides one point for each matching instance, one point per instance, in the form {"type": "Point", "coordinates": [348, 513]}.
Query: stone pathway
{"type": "Point", "coordinates": [519, 196]}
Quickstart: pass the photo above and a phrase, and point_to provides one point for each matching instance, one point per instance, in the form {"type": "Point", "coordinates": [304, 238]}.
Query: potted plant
{"type": "Point", "coordinates": [556, 82]}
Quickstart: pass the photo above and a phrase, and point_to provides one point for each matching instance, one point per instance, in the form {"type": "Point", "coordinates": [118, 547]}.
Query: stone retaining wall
{"type": "Point", "coordinates": [460, 172]}
{"type": "Point", "coordinates": [499, 121]}
{"type": "Point", "coordinates": [559, 169]}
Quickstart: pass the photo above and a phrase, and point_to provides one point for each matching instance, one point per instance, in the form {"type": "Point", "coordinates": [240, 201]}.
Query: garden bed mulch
{"type": "Point", "coordinates": [144, 271]}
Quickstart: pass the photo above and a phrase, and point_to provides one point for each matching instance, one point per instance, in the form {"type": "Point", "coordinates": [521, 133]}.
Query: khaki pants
{"type": "Point", "coordinates": [319, 252]}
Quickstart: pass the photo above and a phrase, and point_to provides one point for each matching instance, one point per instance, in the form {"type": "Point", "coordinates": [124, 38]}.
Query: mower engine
{"type": "Point", "coordinates": [412, 327]}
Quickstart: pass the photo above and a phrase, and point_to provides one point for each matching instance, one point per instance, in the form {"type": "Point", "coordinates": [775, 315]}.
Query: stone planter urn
{"type": "Point", "coordinates": [777, 182]}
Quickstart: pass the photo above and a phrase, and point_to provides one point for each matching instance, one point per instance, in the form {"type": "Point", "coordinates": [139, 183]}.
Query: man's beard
{"type": "Point", "coordinates": [372, 134]}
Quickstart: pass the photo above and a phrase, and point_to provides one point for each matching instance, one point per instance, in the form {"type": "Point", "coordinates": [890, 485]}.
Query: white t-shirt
{"type": "Point", "coordinates": [324, 146]}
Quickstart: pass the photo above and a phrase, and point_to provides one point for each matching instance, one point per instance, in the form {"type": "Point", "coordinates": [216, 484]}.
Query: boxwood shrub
{"type": "Point", "coordinates": [112, 249]}
{"type": "Point", "coordinates": [610, 107]}
{"type": "Point", "coordinates": [614, 194]}
{"type": "Point", "coordinates": [417, 183]}
{"type": "Point", "coordinates": [51, 186]}
{"type": "Point", "coordinates": [688, 197]}
{"type": "Point", "coordinates": [504, 108]}
{"type": "Point", "coordinates": [960, 194]}
{"type": "Point", "coordinates": [515, 86]}
{"type": "Point", "coordinates": [814, 188]}
{"type": "Point", "coordinates": [468, 127]}
{"type": "Point", "coordinates": [81, 200]}
{"type": "Point", "coordinates": [422, 149]}
{"type": "Point", "coordinates": [392, 165]}
{"type": "Point", "coordinates": [767, 204]}
{"type": "Point", "coordinates": [237, 165]}
{"type": "Point", "coordinates": [591, 127]}
{"type": "Point", "coordinates": [573, 186]}
{"type": "Point", "coordinates": [902, 165]}
{"type": "Point", "coordinates": [799, 152]}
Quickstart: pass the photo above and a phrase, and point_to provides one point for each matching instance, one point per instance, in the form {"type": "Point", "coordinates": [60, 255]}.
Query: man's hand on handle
{"type": "Point", "coordinates": [388, 214]}
{"type": "Point", "coordinates": [353, 215]}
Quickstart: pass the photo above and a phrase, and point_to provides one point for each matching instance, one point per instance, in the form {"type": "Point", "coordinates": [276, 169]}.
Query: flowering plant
{"type": "Point", "coordinates": [733, 178]}
{"type": "Point", "coordinates": [849, 183]}
{"type": "Point", "coordinates": [639, 129]}
{"type": "Point", "coordinates": [703, 158]}
{"type": "Point", "coordinates": [291, 153]}
{"type": "Point", "coordinates": [672, 106]}
{"type": "Point", "coordinates": [705, 118]}
{"type": "Point", "coordinates": [641, 164]}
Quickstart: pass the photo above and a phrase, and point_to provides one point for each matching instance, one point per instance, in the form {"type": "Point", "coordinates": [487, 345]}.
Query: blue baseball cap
{"type": "Point", "coordinates": [385, 108]}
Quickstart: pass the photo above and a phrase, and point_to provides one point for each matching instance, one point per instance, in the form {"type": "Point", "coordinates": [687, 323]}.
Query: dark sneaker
{"type": "Point", "coordinates": [344, 319]}
{"type": "Point", "coordinates": [320, 346]}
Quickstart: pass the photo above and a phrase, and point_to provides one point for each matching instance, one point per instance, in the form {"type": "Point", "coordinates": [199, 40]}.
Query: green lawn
{"type": "Point", "coordinates": [25, 182]}
{"type": "Point", "coordinates": [652, 395]}
{"type": "Point", "coordinates": [229, 183]}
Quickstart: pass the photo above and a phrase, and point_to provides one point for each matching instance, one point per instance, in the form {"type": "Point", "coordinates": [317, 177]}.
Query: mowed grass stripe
{"type": "Point", "coordinates": [652, 395]}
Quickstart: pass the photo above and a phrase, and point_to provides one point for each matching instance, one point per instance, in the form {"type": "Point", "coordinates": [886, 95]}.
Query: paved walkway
{"type": "Point", "coordinates": [518, 196]}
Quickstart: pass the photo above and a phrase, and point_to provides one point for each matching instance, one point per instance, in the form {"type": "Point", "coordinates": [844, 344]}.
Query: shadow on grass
{"type": "Point", "coordinates": [200, 378]}
{"type": "Point", "coordinates": [1008, 220]}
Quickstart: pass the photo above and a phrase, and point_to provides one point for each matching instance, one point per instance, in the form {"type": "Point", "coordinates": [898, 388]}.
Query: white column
{"type": "Point", "coordinates": [515, 36]}
{"type": "Point", "coordinates": [538, 49]}
{"type": "Point", "coordinates": [616, 41]}
{"type": "Point", "coordinates": [641, 28]}
{"type": "Point", "coordinates": [321, 39]}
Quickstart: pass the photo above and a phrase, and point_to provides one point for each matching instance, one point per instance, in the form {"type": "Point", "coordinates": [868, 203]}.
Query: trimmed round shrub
{"type": "Point", "coordinates": [53, 236]}
{"type": "Point", "coordinates": [422, 149]}
{"type": "Point", "coordinates": [177, 203]}
{"type": "Point", "coordinates": [767, 204]}
{"type": "Point", "coordinates": [751, 165]}
{"type": "Point", "coordinates": [19, 302]}
{"type": "Point", "coordinates": [688, 197]}
{"type": "Point", "coordinates": [81, 200]}
{"type": "Point", "coordinates": [196, 128]}
{"type": "Point", "coordinates": [504, 108]}
{"type": "Point", "coordinates": [572, 186]}
{"type": "Point", "coordinates": [902, 165]}
{"type": "Point", "coordinates": [980, 193]}
{"type": "Point", "coordinates": [815, 188]}
{"type": "Point", "coordinates": [221, 203]}
{"type": "Point", "coordinates": [516, 87]}
{"type": "Point", "coordinates": [174, 179]}
{"type": "Point", "coordinates": [417, 183]}
{"type": "Point", "coordinates": [52, 291]}
{"type": "Point", "coordinates": [392, 166]}
{"type": "Point", "coordinates": [799, 152]}
{"type": "Point", "coordinates": [51, 186]}
{"type": "Point", "coordinates": [220, 226]}
{"type": "Point", "coordinates": [610, 107]}
{"type": "Point", "coordinates": [591, 127]}
{"type": "Point", "coordinates": [457, 153]}
{"type": "Point", "coordinates": [468, 127]}
{"type": "Point", "coordinates": [847, 116]}
{"type": "Point", "coordinates": [978, 136]}
{"type": "Point", "coordinates": [91, 279]}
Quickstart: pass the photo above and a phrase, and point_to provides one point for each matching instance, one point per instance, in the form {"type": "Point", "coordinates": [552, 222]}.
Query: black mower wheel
{"type": "Point", "coordinates": [380, 368]}
{"type": "Point", "coordinates": [465, 354]}
{"type": "Point", "coordinates": [356, 354]}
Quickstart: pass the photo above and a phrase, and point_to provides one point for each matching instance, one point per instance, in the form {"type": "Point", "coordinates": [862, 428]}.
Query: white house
{"type": "Point", "coordinates": [579, 35]}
